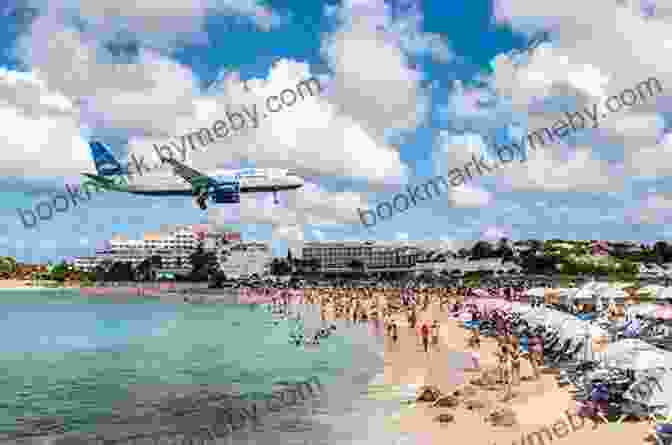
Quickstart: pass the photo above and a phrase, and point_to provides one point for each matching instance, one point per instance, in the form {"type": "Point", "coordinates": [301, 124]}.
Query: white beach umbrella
{"type": "Point", "coordinates": [536, 292]}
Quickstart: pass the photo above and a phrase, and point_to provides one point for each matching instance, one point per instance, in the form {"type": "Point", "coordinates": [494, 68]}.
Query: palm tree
{"type": "Point", "coordinates": [7, 266]}
{"type": "Point", "coordinates": [203, 264]}
{"type": "Point", "coordinates": [144, 269]}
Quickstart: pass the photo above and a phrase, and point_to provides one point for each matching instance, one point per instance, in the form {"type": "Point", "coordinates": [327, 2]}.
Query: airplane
{"type": "Point", "coordinates": [221, 186]}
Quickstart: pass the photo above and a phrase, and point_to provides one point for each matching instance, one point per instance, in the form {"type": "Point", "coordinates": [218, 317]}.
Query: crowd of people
{"type": "Point", "coordinates": [388, 305]}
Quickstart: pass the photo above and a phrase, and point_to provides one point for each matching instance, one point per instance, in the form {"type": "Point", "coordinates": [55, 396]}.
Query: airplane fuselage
{"type": "Point", "coordinates": [251, 180]}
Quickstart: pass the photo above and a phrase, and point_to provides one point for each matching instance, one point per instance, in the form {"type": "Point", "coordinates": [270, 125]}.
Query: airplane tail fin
{"type": "Point", "coordinates": [106, 163]}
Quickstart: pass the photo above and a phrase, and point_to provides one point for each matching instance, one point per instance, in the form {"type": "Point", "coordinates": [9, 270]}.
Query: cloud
{"type": "Point", "coordinates": [656, 209]}
{"type": "Point", "coordinates": [651, 161]}
{"type": "Point", "coordinates": [311, 205]}
{"type": "Point", "coordinates": [578, 59]}
{"type": "Point", "coordinates": [387, 94]}
{"type": "Point", "coordinates": [314, 136]}
{"type": "Point", "coordinates": [157, 24]}
{"type": "Point", "coordinates": [469, 196]}
{"type": "Point", "coordinates": [39, 124]}
{"type": "Point", "coordinates": [546, 171]}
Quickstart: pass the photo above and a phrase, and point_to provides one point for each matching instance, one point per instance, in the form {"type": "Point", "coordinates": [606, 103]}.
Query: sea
{"type": "Point", "coordinates": [76, 358]}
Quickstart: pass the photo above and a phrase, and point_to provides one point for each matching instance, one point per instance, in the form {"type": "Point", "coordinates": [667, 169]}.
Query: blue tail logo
{"type": "Point", "coordinates": [106, 164]}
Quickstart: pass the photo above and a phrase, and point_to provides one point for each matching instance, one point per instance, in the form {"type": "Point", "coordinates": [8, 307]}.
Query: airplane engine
{"type": "Point", "coordinates": [226, 194]}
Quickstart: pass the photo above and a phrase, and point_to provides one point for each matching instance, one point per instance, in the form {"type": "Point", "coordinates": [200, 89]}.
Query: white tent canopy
{"type": "Point", "coordinates": [636, 354]}
{"type": "Point", "coordinates": [652, 290]}
{"type": "Point", "coordinates": [645, 310]}
{"type": "Point", "coordinates": [567, 325]}
{"type": "Point", "coordinates": [653, 369]}
{"type": "Point", "coordinates": [536, 292]}
{"type": "Point", "coordinates": [600, 292]}
{"type": "Point", "coordinates": [665, 293]}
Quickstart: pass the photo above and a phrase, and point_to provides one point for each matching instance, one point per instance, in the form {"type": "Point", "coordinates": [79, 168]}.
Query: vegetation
{"type": "Point", "coordinates": [203, 264]}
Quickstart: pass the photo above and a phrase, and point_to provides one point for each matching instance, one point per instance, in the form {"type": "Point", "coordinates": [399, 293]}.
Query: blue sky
{"type": "Point", "coordinates": [412, 90]}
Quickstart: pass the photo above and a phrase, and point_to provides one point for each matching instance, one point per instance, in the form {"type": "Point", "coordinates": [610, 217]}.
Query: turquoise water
{"type": "Point", "coordinates": [68, 356]}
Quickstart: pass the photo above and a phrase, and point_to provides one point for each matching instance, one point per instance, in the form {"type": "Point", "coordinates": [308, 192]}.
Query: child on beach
{"type": "Point", "coordinates": [395, 335]}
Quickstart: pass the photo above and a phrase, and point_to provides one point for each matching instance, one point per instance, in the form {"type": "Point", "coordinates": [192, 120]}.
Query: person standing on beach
{"type": "Point", "coordinates": [504, 359]}
{"type": "Point", "coordinates": [533, 357]}
{"type": "Point", "coordinates": [515, 361]}
{"type": "Point", "coordinates": [424, 330]}
{"type": "Point", "coordinates": [435, 335]}
{"type": "Point", "coordinates": [395, 334]}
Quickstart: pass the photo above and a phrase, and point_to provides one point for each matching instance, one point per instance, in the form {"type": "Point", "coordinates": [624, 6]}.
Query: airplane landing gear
{"type": "Point", "coordinates": [275, 197]}
{"type": "Point", "coordinates": [201, 200]}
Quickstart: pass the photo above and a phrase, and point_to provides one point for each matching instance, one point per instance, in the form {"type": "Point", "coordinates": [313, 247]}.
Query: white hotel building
{"type": "Point", "coordinates": [174, 244]}
{"type": "Point", "coordinates": [244, 259]}
{"type": "Point", "coordinates": [334, 256]}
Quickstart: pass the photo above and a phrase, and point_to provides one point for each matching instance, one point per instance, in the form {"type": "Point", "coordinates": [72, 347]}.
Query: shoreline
{"type": "Point", "coordinates": [536, 404]}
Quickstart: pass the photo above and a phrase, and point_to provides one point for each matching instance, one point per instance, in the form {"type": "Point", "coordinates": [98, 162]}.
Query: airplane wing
{"type": "Point", "coordinates": [192, 176]}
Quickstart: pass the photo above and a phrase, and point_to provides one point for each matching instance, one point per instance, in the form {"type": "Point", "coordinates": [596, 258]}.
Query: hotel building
{"type": "Point", "coordinates": [174, 244]}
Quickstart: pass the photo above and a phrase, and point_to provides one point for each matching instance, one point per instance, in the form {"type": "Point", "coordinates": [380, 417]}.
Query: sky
{"type": "Point", "coordinates": [410, 90]}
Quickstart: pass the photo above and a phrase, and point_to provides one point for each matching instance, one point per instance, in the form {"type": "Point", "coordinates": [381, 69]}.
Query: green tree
{"type": "Point", "coordinates": [203, 263]}
{"type": "Point", "coordinates": [7, 266]}
{"type": "Point", "coordinates": [482, 250]}
{"type": "Point", "coordinates": [280, 267]}
{"type": "Point", "coordinates": [57, 272]}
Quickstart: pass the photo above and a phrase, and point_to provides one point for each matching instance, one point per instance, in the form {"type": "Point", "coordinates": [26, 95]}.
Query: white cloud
{"type": "Point", "coordinates": [651, 161]}
{"type": "Point", "coordinates": [495, 233]}
{"type": "Point", "coordinates": [311, 205]}
{"type": "Point", "coordinates": [656, 209]}
{"type": "Point", "coordinates": [469, 196]}
{"type": "Point", "coordinates": [39, 125]}
{"type": "Point", "coordinates": [618, 45]}
{"type": "Point", "coordinates": [545, 171]}
{"type": "Point", "coordinates": [157, 23]}
{"type": "Point", "coordinates": [387, 94]}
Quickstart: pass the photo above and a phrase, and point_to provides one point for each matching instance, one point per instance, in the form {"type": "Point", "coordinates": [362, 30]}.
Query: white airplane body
{"type": "Point", "coordinates": [222, 185]}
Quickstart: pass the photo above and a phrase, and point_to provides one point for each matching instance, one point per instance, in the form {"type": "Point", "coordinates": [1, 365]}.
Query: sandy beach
{"type": "Point", "coordinates": [536, 404]}
{"type": "Point", "coordinates": [14, 284]}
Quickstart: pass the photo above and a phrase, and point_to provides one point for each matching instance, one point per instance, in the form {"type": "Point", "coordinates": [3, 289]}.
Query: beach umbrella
{"type": "Point", "coordinates": [481, 293]}
{"type": "Point", "coordinates": [643, 309]}
{"type": "Point", "coordinates": [665, 294]}
{"type": "Point", "coordinates": [536, 292]}
{"type": "Point", "coordinates": [636, 355]}
{"type": "Point", "coordinates": [664, 312]}
{"type": "Point", "coordinates": [652, 290]}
